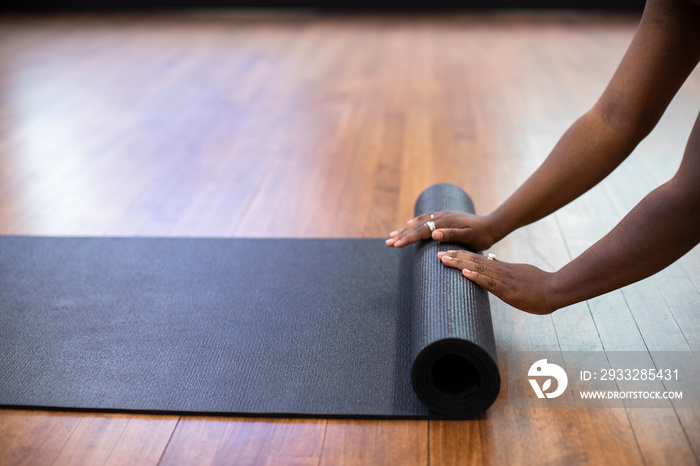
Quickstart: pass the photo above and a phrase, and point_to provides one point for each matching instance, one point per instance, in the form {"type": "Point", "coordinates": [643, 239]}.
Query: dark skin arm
{"type": "Point", "coordinates": [659, 230]}
{"type": "Point", "coordinates": [664, 51]}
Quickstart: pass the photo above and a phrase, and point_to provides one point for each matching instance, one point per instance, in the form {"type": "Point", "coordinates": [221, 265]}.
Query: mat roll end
{"type": "Point", "coordinates": [455, 378]}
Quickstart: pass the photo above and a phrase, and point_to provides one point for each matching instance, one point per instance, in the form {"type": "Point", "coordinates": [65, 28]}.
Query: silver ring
{"type": "Point", "coordinates": [491, 256]}
{"type": "Point", "coordinates": [432, 215]}
{"type": "Point", "coordinates": [431, 225]}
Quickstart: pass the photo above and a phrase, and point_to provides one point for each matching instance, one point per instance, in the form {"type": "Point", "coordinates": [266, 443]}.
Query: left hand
{"type": "Point", "coordinates": [522, 286]}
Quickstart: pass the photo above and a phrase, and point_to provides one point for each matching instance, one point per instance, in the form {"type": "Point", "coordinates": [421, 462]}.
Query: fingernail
{"type": "Point", "coordinates": [389, 240]}
{"type": "Point", "coordinates": [440, 254]}
{"type": "Point", "coordinates": [394, 233]}
{"type": "Point", "coordinates": [437, 234]}
{"type": "Point", "coordinates": [410, 221]}
{"type": "Point", "coordinates": [446, 258]}
{"type": "Point", "coordinates": [466, 272]}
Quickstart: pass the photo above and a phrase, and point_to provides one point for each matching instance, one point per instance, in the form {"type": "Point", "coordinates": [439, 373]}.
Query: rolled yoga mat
{"type": "Point", "coordinates": [278, 327]}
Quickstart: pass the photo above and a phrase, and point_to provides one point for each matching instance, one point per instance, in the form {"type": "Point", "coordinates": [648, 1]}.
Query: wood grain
{"type": "Point", "coordinates": [304, 125]}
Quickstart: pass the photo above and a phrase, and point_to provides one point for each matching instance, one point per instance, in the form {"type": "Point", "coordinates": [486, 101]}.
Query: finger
{"type": "Point", "coordinates": [411, 234]}
{"type": "Point", "coordinates": [457, 235]}
{"type": "Point", "coordinates": [459, 254]}
{"type": "Point", "coordinates": [475, 268]}
{"type": "Point", "coordinates": [474, 262]}
{"type": "Point", "coordinates": [474, 265]}
{"type": "Point", "coordinates": [422, 218]}
{"type": "Point", "coordinates": [467, 255]}
{"type": "Point", "coordinates": [478, 272]}
{"type": "Point", "coordinates": [460, 263]}
{"type": "Point", "coordinates": [490, 284]}
{"type": "Point", "coordinates": [396, 235]}
{"type": "Point", "coordinates": [416, 230]}
{"type": "Point", "coordinates": [416, 219]}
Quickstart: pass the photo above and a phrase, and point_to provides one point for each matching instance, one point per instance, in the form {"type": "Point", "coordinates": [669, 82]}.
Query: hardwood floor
{"type": "Point", "coordinates": [302, 125]}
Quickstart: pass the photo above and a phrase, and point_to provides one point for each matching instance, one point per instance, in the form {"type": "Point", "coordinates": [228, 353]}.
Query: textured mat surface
{"type": "Point", "coordinates": [311, 327]}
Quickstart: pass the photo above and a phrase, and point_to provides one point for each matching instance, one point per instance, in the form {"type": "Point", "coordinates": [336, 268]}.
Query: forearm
{"type": "Point", "coordinates": [586, 153]}
{"type": "Point", "coordinates": [664, 226]}
{"type": "Point", "coordinates": [659, 230]}
{"type": "Point", "coordinates": [664, 51]}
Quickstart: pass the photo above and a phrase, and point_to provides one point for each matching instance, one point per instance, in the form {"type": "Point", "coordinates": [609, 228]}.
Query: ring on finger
{"type": "Point", "coordinates": [491, 256]}
{"type": "Point", "coordinates": [431, 225]}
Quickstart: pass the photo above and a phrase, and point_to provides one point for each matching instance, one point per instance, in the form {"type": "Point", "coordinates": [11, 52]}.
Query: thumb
{"type": "Point", "coordinates": [458, 235]}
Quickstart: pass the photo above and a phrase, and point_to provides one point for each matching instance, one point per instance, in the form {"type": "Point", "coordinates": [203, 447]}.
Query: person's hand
{"type": "Point", "coordinates": [451, 225]}
{"type": "Point", "coordinates": [520, 285]}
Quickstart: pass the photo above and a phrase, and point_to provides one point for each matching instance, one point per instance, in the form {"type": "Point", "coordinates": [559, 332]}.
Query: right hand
{"type": "Point", "coordinates": [451, 225]}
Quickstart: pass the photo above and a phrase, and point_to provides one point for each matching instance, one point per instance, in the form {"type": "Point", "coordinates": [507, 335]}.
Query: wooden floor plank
{"type": "Point", "coordinates": [93, 439]}
{"type": "Point", "coordinates": [34, 437]}
{"type": "Point", "coordinates": [143, 440]}
{"type": "Point", "coordinates": [195, 441]}
{"type": "Point", "coordinates": [278, 441]}
{"type": "Point", "coordinates": [383, 442]}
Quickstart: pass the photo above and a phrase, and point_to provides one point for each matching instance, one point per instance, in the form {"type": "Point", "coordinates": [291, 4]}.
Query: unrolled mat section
{"type": "Point", "coordinates": [278, 327]}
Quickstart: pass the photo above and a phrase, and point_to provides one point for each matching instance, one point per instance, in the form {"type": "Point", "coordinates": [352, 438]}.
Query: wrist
{"type": "Point", "coordinates": [496, 227]}
{"type": "Point", "coordinates": [557, 290]}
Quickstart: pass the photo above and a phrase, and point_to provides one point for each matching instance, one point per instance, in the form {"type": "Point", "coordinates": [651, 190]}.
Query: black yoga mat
{"type": "Point", "coordinates": [283, 327]}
